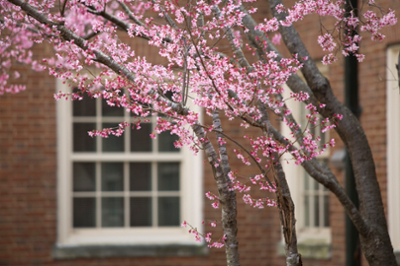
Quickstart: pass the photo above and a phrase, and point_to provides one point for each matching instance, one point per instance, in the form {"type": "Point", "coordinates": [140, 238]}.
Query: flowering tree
{"type": "Point", "coordinates": [98, 33]}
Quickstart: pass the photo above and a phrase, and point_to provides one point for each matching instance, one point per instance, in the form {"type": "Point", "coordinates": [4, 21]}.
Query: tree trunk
{"type": "Point", "coordinates": [288, 221]}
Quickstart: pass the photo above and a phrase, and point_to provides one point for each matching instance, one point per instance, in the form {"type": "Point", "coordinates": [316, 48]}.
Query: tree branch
{"type": "Point", "coordinates": [102, 58]}
{"type": "Point", "coordinates": [227, 197]}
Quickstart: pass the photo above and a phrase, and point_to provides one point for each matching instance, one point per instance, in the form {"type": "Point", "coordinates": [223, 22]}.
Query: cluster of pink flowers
{"type": "Point", "coordinates": [207, 236]}
{"type": "Point", "coordinates": [372, 23]}
{"type": "Point", "coordinates": [213, 197]}
{"type": "Point", "coordinates": [300, 97]}
{"type": "Point", "coordinates": [258, 203]}
{"type": "Point", "coordinates": [106, 132]}
{"type": "Point", "coordinates": [326, 42]}
{"type": "Point", "coordinates": [240, 156]}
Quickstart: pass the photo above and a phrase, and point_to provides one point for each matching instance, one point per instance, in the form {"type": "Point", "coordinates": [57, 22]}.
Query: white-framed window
{"type": "Point", "coordinates": [122, 190]}
{"type": "Point", "coordinates": [393, 144]}
{"type": "Point", "coordinates": [311, 199]}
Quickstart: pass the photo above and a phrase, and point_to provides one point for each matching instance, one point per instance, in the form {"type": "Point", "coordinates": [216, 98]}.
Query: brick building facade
{"type": "Point", "coordinates": [30, 186]}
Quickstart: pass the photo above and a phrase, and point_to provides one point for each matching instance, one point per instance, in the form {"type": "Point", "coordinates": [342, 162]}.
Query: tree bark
{"type": "Point", "coordinates": [288, 221]}
{"type": "Point", "coordinates": [227, 198]}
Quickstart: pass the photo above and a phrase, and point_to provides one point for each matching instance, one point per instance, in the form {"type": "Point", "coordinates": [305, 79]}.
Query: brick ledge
{"type": "Point", "coordinates": [310, 250]}
{"type": "Point", "coordinates": [113, 251]}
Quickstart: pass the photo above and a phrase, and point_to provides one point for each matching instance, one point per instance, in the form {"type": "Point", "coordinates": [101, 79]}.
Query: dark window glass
{"type": "Point", "coordinates": [112, 143]}
{"type": "Point", "coordinates": [326, 211]}
{"type": "Point", "coordinates": [140, 139]}
{"type": "Point", "coordinates": [84, 176]}
{"type": "Point", "coordinates": [82, 142]}
{"type": "Point", "coordinates": [85, 107]}
{"type": "Point", "coordinates": [107, 110]}
{"type": "Point", "coordinates": [307, 210]}
{"type": "Point", "coordinates": [112, 212]}
{"type": "Point", "coordinates": [168, 176]}
{"type": "Point", "coordinates": [316, 184]}
{"type": "Point", "coordinates": [112, 176]}
{"type": "Point", "coordinates": [84, 212]}
{"type": "Point", "coordinates": [140, 176]}
{"type": "Point", "coordinates": [316, 211]}
{"type": "Point", "coordinates": [140, 211]}
{"type": "Point", "coordinates": [168, 211]}
{"type": "Point", "coordinates": [166, 142]}
{"type": "Point", "coordinates": [306, 181]}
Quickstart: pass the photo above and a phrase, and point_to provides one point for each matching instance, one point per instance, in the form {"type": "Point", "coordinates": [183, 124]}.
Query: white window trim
{"type": "Point", "coordinates": [191, 194]}
{"type": "Point", "coordinates": [295, 178]}
{"type": "Point", "coordinates": [393, 145]}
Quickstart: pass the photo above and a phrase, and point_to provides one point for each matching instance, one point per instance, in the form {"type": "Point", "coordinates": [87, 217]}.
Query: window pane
{"type": "Point", "coordinates": [112, 176]}
{"type": "Point", "coordinates": [141, 211]}
{"type": "Point", "coordinates": [107, 110]}
{"type": "Point", "coordinates": [312, 129]}
{"type": "Point", "coordinates": [112, 212]}
{"type": "Point", "coordinates": [166, 142]}
{"type": "Point", "coordinates": [307, 211]}
{"type": "Point", "coordinates": [306, 181]}
{"type": "Point", "coordinates": [140, 138]}
{"type": "Point", "coordinates": [112, 143]}
{"type": "Point", "coordinates": [84, 210]}
{"type": "Point", "coordinates": [316, 184]}
{"type": "Point", "coordinates": [86, 107]}
{"type": "Point", "coordinates": [326, 211]}
{"type": "Point", "coordinates": [323, 137]}
{"type": "Point", "coordinates": [168, 176]}
{"type": "Point", "coordinates": [82, 141]}
{"type": "Point", "coordinates": [168, 211]}
{"type": "Point", "coordinates": [316, 211]}
{"type": "Point", "coordinates": [140, 176]}
{"type": "Point", "coordinates": [84, 176]}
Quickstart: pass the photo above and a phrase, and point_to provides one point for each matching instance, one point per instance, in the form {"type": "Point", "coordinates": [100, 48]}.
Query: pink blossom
{"type": "Point", "coordinates": [328, 59]}
{"type": "Point", "coordinates": [326, 42]}
{"type": "Point", "coordinates": [277, 39]}
{"type": "Point", "coordinates": [215, 204]}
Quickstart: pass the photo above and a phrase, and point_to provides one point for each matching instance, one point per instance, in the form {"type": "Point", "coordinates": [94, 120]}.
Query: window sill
{"type": "Point", "coordinates": [113, 251]}
{"type": "Point", "coordinates": [310, 249]}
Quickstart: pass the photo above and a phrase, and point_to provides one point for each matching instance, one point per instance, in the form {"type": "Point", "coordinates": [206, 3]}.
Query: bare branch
{"type": "Point", "coordinates": [398, 70]}
{"type": "Point", "coordinates": [63, 8]}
